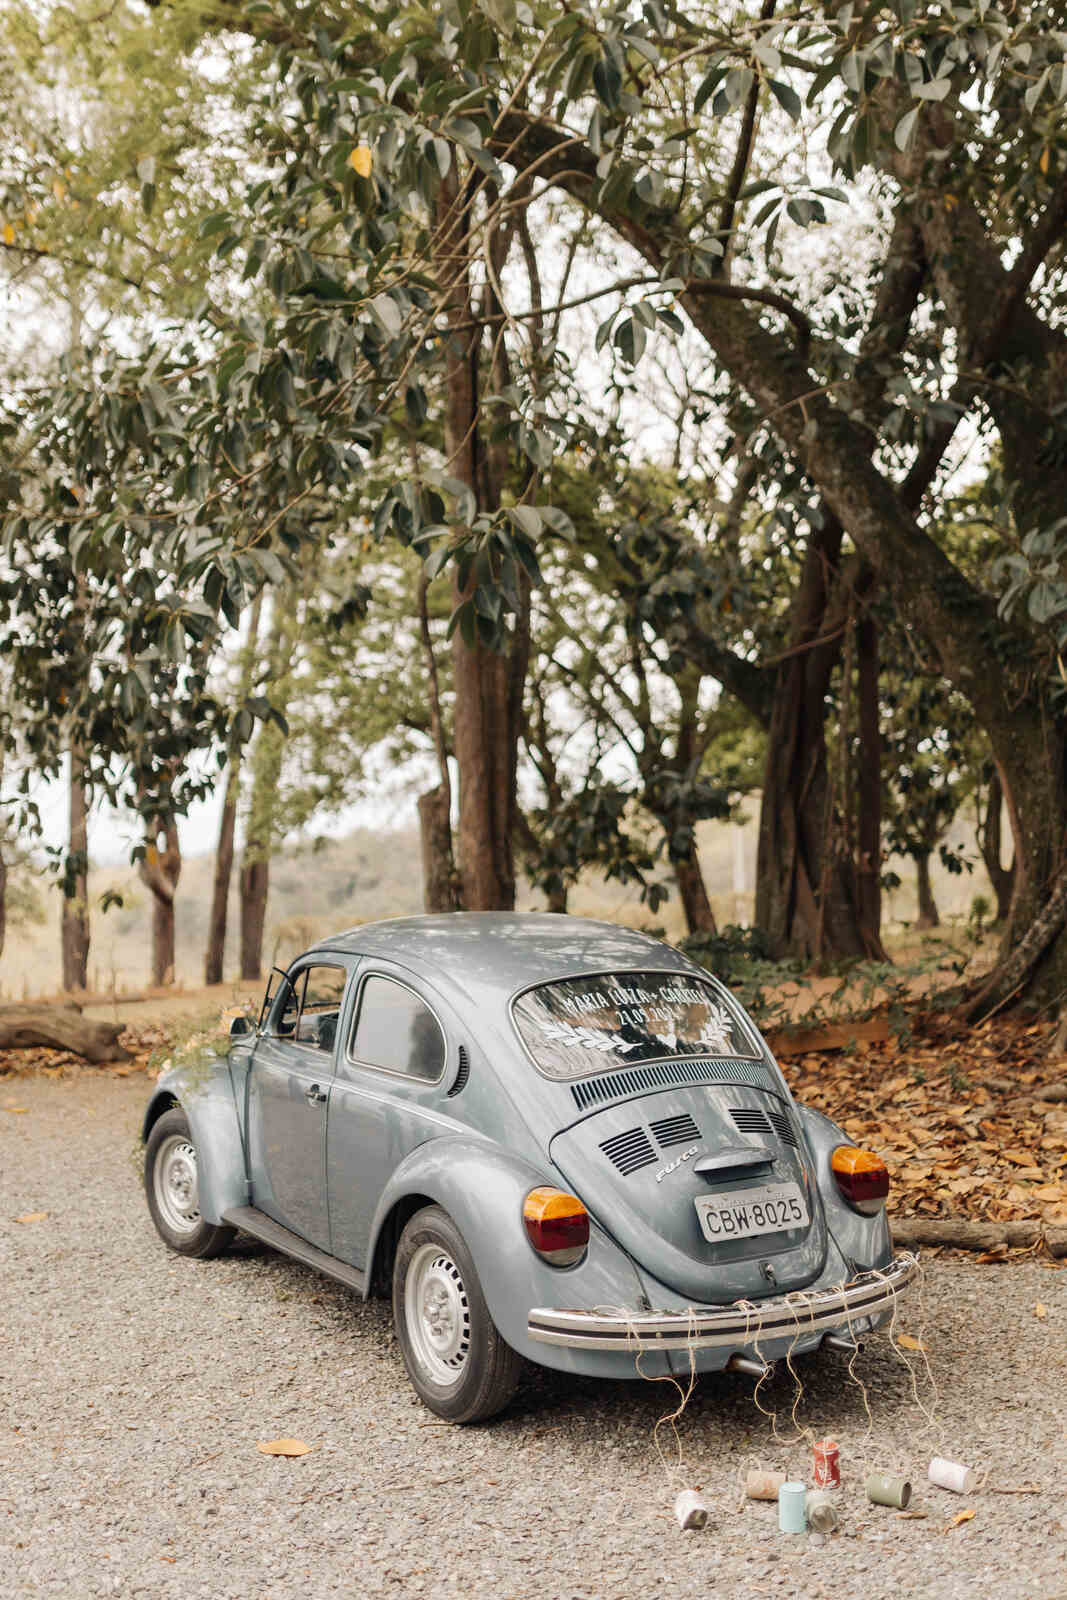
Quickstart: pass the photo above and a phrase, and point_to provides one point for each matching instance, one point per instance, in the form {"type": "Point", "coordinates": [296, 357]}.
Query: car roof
{"type": "Point", "coordinates": [506, 950]}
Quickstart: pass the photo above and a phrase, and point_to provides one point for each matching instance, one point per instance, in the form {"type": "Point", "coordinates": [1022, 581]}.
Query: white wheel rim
{"type": "Point", "coordinates": [437, 1315]}
{"type": "Point", "coordinates": [175, 1185]}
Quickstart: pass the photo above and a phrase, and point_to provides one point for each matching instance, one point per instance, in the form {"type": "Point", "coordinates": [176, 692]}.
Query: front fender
{"type": "Point", "coordinates": [205, 1091]}
{"type": "Point", "coordinates": [863, 1241]}
{"type": "Point", "coordinates": [482, 1188]}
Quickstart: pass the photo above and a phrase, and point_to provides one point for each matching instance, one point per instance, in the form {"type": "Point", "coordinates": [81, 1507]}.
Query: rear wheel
{"type": "Point", "coordinates": [457, 1361]}
{"type": "Point", "coordinates": [171, 1181]}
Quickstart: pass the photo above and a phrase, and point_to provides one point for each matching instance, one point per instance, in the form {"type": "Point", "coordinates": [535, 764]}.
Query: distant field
{"type": "Point", "coordinates": [367, 876]}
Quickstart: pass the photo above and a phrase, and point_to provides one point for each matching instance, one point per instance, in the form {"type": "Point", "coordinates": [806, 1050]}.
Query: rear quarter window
{"type": "Point", "coordinates": [395, 1031]}
{"type": "Point", "coordinates": [578, 1026]}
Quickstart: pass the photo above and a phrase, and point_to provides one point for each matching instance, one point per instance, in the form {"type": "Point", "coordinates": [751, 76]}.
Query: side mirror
{"type": "Point", "coordinates": [241, 1027]}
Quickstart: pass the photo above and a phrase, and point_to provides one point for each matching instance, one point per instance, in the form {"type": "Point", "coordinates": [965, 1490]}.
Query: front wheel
{"type": "Point", "coordinates": [457, 1361]}
{"type": "Point", "coordinates": [173, 1191]}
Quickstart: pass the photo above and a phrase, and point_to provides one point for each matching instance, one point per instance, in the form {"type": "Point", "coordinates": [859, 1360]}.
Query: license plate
{"type": "Point", "coordinates": [743, 1213]}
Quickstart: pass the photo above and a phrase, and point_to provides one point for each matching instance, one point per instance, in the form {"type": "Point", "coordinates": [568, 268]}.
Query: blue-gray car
{"type": "Point", "coordinates": [547, 1138]}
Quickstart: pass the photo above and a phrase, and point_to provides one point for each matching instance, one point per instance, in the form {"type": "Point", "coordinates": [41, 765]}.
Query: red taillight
{"type": "Point", "coordinates": [557, 1225]}
{"type": "Point", "coordinates": [862, 1177]}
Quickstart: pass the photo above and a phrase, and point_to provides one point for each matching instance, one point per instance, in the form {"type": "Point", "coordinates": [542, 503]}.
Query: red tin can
{"type": "Point", "coordinates": [827, 1464]}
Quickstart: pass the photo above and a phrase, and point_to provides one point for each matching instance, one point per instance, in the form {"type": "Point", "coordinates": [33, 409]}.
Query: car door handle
{"type": "Point", "coordinates": [314, 1095]}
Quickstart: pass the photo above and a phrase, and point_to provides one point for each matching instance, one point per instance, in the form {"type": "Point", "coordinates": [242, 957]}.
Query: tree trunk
{"type": "Point", "coordinates": [160, 870]}
{"type": "Point", "coordinates": [74, 927]}
{"type": "Point", "coordinates": [435, 835]}
{"type": "Point", "coordinates": [557, 899]}
{"type": "Point", "coordinates": [990, 843]}
{"type": "Point", "coordinates": [216, 944]}
{"type": "Point", "coordinates": [254, 884]}
{"type": "Point", "coordinates": [220, 896]}
{"type": "Point", "coordinates": [929, 917]}
{"type": "Point", "coordinates": [486, 745]}
{"type": "Point", "coordinates": [3, 896]}
{"type": "Point", "coordinates": [488, 683]}
{"type": "Point", "coordinates": [440, 885]}
{"type": "Point", "coordinates": [266, 764]}
{"type": "Point", "coordinates": [869, 785]}
{"type": "Point", "coordinates": [693, 892]}
{"type": "Point", "coordinates": [806, 893]}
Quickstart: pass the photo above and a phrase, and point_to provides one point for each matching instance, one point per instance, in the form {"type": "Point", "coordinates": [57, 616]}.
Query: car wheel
{"type": "Point", "coordinates": [459, 1364]}
{"type": "Point", "coordinates": [171, 1185]}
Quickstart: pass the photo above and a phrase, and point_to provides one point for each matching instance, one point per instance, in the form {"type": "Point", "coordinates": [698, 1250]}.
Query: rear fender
{"type": "Point", "coordinates": [863, 1241]}
{"type": "Point", "coordinates": [482, 1188]}
{"type": "Point", "coordinates": [205, 1092]}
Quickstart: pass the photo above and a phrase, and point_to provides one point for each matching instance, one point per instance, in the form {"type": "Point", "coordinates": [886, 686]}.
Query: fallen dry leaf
{"type": "Point", "coordinates": [17, 1111]}
{"type": "Point", "coordinates": [32, 1216]}
{"type": "Point", "coordinates": [283, 1447]}
{"type": "Point", "coordinates": [961, 1516]}
{"type": "Point", "coordinates": [1040, 1311]}
{"type": "Point", "coordinates": [907, 1342]}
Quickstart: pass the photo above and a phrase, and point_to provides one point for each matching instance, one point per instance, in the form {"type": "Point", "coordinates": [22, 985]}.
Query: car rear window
{"type": "Point", "coordinates": [594, 1024]}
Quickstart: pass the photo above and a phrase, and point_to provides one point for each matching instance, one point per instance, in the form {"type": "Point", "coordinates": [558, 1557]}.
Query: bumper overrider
{"type": "Point", "coordinates": [865, 1298]}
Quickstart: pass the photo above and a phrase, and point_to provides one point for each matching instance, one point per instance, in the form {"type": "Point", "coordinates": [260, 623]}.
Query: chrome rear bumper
{"type": "Point", "coordinates": [745, 1323]}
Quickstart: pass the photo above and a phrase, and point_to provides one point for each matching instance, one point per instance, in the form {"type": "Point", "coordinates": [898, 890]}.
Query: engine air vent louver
{"type": "Point", "coordinates": [675, 1130]}
{"type": "Point", "coordinates": [629, 1151]}
{"type": "Point", "coordinates": [626, 1081]}
{"type": "Point", "coordinates": [463, 1071]}
{"type": "Point", "coordinates": [750, 1120]}
{"type": "Point", "coordinates": [784, 1128]}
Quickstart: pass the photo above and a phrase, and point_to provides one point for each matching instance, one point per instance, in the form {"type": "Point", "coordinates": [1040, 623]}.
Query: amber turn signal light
{"type": "Point", "coordinates": [862, 1177]}
{"type": "Point", "coordinates": [557, 1225]}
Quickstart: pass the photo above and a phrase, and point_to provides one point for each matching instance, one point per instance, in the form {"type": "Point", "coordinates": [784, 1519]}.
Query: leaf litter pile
{"type": "Point", "coordinates": [957, 1113]}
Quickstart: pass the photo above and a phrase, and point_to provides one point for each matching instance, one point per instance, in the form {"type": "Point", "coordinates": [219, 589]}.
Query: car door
{"type": "Point", "coordinates": [382, 1103]}
{"type": "Point", "coordinates": [291, 1078]}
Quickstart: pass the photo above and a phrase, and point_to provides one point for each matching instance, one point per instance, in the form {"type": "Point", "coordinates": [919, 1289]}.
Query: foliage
{"type": "Point", "coordinates": [399, 155]}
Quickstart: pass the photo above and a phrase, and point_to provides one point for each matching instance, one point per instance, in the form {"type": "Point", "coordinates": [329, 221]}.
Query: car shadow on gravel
{"type": "Point", "coordinates": [881, 1382]}
{"type": "Point", "coordinates": [884, 1379]}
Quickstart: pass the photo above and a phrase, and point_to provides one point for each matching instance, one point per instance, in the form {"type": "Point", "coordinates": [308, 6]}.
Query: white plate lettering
{"type": "Point", "coordinates": [743, 1213]}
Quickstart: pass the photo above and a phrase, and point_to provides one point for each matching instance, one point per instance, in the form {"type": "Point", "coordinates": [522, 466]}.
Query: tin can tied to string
{"type": "Point", "coordinates": [885, 1489]}
{"type": "Point", "coordinates": [691, 1510]}
{"type": "Point", "coordinates": [952, 1475]}
{"type": "Point", "coordinates": [761, 1484]}
{"type": "Point", "coordinates": [826, 1464]}
{"type": "Point", "coordinates": [821, 1510]}
{"type": "Point", "coordinates": [792, 1516]}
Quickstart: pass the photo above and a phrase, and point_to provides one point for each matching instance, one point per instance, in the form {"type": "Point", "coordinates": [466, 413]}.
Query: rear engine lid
{"type": "Point", "coordinates": [707, 1187]}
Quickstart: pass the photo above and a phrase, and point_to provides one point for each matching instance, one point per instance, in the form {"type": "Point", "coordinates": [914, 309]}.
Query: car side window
{"type": "Point", "coordinates": [397, 1032]}
{"type": "Point", "coordinates": [313, 1006]}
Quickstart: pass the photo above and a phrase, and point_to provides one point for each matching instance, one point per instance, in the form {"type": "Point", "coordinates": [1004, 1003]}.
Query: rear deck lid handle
{"type": "Point", "coordinates": [738, 1155]}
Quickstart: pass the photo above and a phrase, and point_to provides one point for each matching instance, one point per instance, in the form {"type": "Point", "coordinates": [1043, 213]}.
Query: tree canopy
{"type": "Point", "coordinates": [443, 227]}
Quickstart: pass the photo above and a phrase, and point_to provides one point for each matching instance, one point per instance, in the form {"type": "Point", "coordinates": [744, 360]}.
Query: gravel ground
{"type": "Point", "coordinates": [136, 1386]}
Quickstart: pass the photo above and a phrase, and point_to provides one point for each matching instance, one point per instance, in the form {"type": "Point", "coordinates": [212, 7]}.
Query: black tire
{"type": "Point", "coordinates": [435, 1277]}
{"type": "Point", "coordinates": [170, 1183]}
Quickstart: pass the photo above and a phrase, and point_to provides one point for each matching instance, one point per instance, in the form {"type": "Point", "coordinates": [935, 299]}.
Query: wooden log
{"type": "Point", "coordinates": [959, 1233]}
{"type": "Point", "coordinates": [828, 1036]}
{"type": "Point", "coordinates": [24, 1027]}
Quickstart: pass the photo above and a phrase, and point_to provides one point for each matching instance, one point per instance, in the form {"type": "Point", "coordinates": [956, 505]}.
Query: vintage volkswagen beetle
{"type": "Point", "coordinates": [550, 1137]}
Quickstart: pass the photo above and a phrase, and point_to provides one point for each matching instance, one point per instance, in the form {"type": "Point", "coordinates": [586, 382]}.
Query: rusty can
{"type": "Point", "coordinates": [827, 1464]}
{"type": "Point", "coordinates": [763, 1485]}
